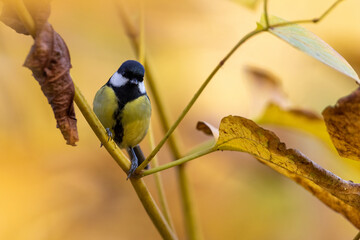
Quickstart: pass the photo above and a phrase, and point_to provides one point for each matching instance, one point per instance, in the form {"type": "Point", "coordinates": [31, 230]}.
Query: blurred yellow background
{"type": "Point", "coordinates": [49, 190]}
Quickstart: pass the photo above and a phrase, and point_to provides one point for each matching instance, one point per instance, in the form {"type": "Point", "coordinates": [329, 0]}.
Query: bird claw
{"type": "Point", "coordinates": [109, 133]}
{"type": "Point", "coordinates": [134, 165]}
{"type": "Point", "coordinates": [134, 162]}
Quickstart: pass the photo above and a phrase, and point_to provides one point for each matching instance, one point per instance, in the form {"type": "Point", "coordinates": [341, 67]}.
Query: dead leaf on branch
{"type": "Point", "coordinates": [343, 125]}
{"type": "Point", "coordinates": [208, 129]}
{"type": "Point", "coordinates": [49, 60]}
{"type": "Point", "coordinates": [241, 134]}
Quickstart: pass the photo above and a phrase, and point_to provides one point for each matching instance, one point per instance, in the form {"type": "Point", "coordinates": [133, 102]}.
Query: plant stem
{"type": "Point", "coordinates": [357, 237]}
{"type": "Point", "coordinates": [266, 13]}
{"type": "Point", "coordinates": [192, 226]}
{"type": "Point", "coordinates": [313, 20]}
{"type": "Point", "coordinates": [133, 35]}
{"type": "Point", "coordinates": [191, 223]}
{"type": "Point", "coordinates": [179, 161]}
{"type": "Point", "coordinates": [159, 183]}
{"type": "Point", "coordinates": [200, 90]}
{"type": "Point", "coordinates": [100, 131]}
{"type": "Point", "coordinates": [165, 123]}
{"type": "Point", "coordinates": [152, 209]}
{"type": "Point", "coordinates": [158, 180]}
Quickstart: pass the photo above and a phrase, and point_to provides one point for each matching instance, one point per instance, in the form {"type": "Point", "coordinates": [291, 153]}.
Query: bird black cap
{"type": "Point", "coordinates": [132, 69]}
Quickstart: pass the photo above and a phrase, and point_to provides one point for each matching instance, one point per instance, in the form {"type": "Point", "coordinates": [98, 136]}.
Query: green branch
{"type": "Point", "coordinates": [152, 209]}
{"type": "Point", "coordinates": [357, 237]}
{"type": "Point", "coordinates": [266, 13]}
{"type": "Point", "coordinates": [200, 90]}
{"type": "Point", "coordinates": [100, 131]}
{"type": "Point", "coordinates": [313, 20]}
{"type": "Point", "coordinates": [159, 183]}
{"type": "Point", "coordinates": [179, 161]}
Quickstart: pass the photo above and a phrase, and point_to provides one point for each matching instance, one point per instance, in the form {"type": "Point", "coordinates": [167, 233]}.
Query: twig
{"type": "Point", "coordinates": [266, 14]}
{"type": "Point", "coordinates": [159, 183]}
{"type": "Point", "coordinates": [313, 20]}
{"type": "Point", "coordinates": [357, 237]}
{"type": "Point", "coordinates": [200, 90]}
{"type": "Point", "coordinates": [179, 161]}
{"type": "Point", "coordinates": [152, 209]}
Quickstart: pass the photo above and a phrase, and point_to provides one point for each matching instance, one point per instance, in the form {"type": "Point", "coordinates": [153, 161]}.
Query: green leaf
{"type": "Point", "coordinates": [311, 44]}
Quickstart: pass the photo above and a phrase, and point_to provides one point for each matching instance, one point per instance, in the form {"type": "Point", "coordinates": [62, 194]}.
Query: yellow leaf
{"type": "Point", "coordinates": [241, 134]}
{"type": "Point", "coordinates": [298, 119]}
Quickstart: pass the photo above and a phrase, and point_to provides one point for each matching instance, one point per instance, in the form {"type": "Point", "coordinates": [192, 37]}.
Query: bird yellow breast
{"type": "Point", "coordinates": [135, 119]}
{"type": "Point", "coordinates": [104, 106]}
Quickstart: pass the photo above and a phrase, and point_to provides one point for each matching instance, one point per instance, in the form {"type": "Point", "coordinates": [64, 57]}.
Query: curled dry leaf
{"type": "Point", "coordinates": [343, 125]}
{"type": "Point", "coordinates": [49, 60]}
{"type": "Point", "coordinates": [241, 134]}
{"type": "Point", "coordinates": [208, 129]}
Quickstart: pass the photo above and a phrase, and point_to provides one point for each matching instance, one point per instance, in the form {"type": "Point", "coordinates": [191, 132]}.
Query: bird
{"type": "Point", "coordinates": [124, 109]}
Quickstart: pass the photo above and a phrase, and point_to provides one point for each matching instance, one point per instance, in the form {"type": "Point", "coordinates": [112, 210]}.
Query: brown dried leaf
{"type": "Point", "coordinates": [49, 60]}
{"type": "Point", "coordinates": [343, 125]}
{"type": "Point", "coordinates": [241, 134]}
{"type": "Point", "coordinates": [38, 9]}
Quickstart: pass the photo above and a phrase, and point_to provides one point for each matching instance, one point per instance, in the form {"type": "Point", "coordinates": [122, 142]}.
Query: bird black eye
{"type": "Point", "coordinates": [133, 75]}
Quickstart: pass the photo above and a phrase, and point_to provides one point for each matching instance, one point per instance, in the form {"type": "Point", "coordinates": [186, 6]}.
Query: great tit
{"type": "Point", "coordinates": [124, 109]}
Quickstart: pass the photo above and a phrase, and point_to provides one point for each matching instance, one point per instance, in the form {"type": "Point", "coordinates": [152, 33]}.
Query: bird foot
{"type": "Point", "coordinates": [108, 132]}
{"type": "Point", "coordinates": [134, 165]}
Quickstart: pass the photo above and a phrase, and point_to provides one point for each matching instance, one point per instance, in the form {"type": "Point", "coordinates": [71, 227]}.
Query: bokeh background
{"type": "Point", "coordinates": [49, 190]}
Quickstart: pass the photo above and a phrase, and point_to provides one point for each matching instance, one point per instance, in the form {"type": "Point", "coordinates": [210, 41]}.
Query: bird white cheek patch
{"type": "Point", "coordinates": [117, 80]}
{"type": "Point", "coordinates": [142, 87]}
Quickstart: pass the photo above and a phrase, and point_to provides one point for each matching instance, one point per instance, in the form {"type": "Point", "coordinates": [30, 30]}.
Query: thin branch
{"type": "Point", "coordinates": [159, 183]}
{"type": "Point", "coordinates": [133, 35]}
{"type": "Point", "coordinates": [100, 131]}
{"type": "Point", "coordinates": [357, 237]}
{"type": "Point", "coordinates": [313, 20]}
{"type": "Point", "coordinates": [266, 14]}
{"type": "Point", "coordinates": [200, 90]}
{"type": "Point", "coordinates": [179, 161]}
{"type": "Point", "coordinates": [151, 208]}
{"type": "Point", "coordinates": [188, 206]}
